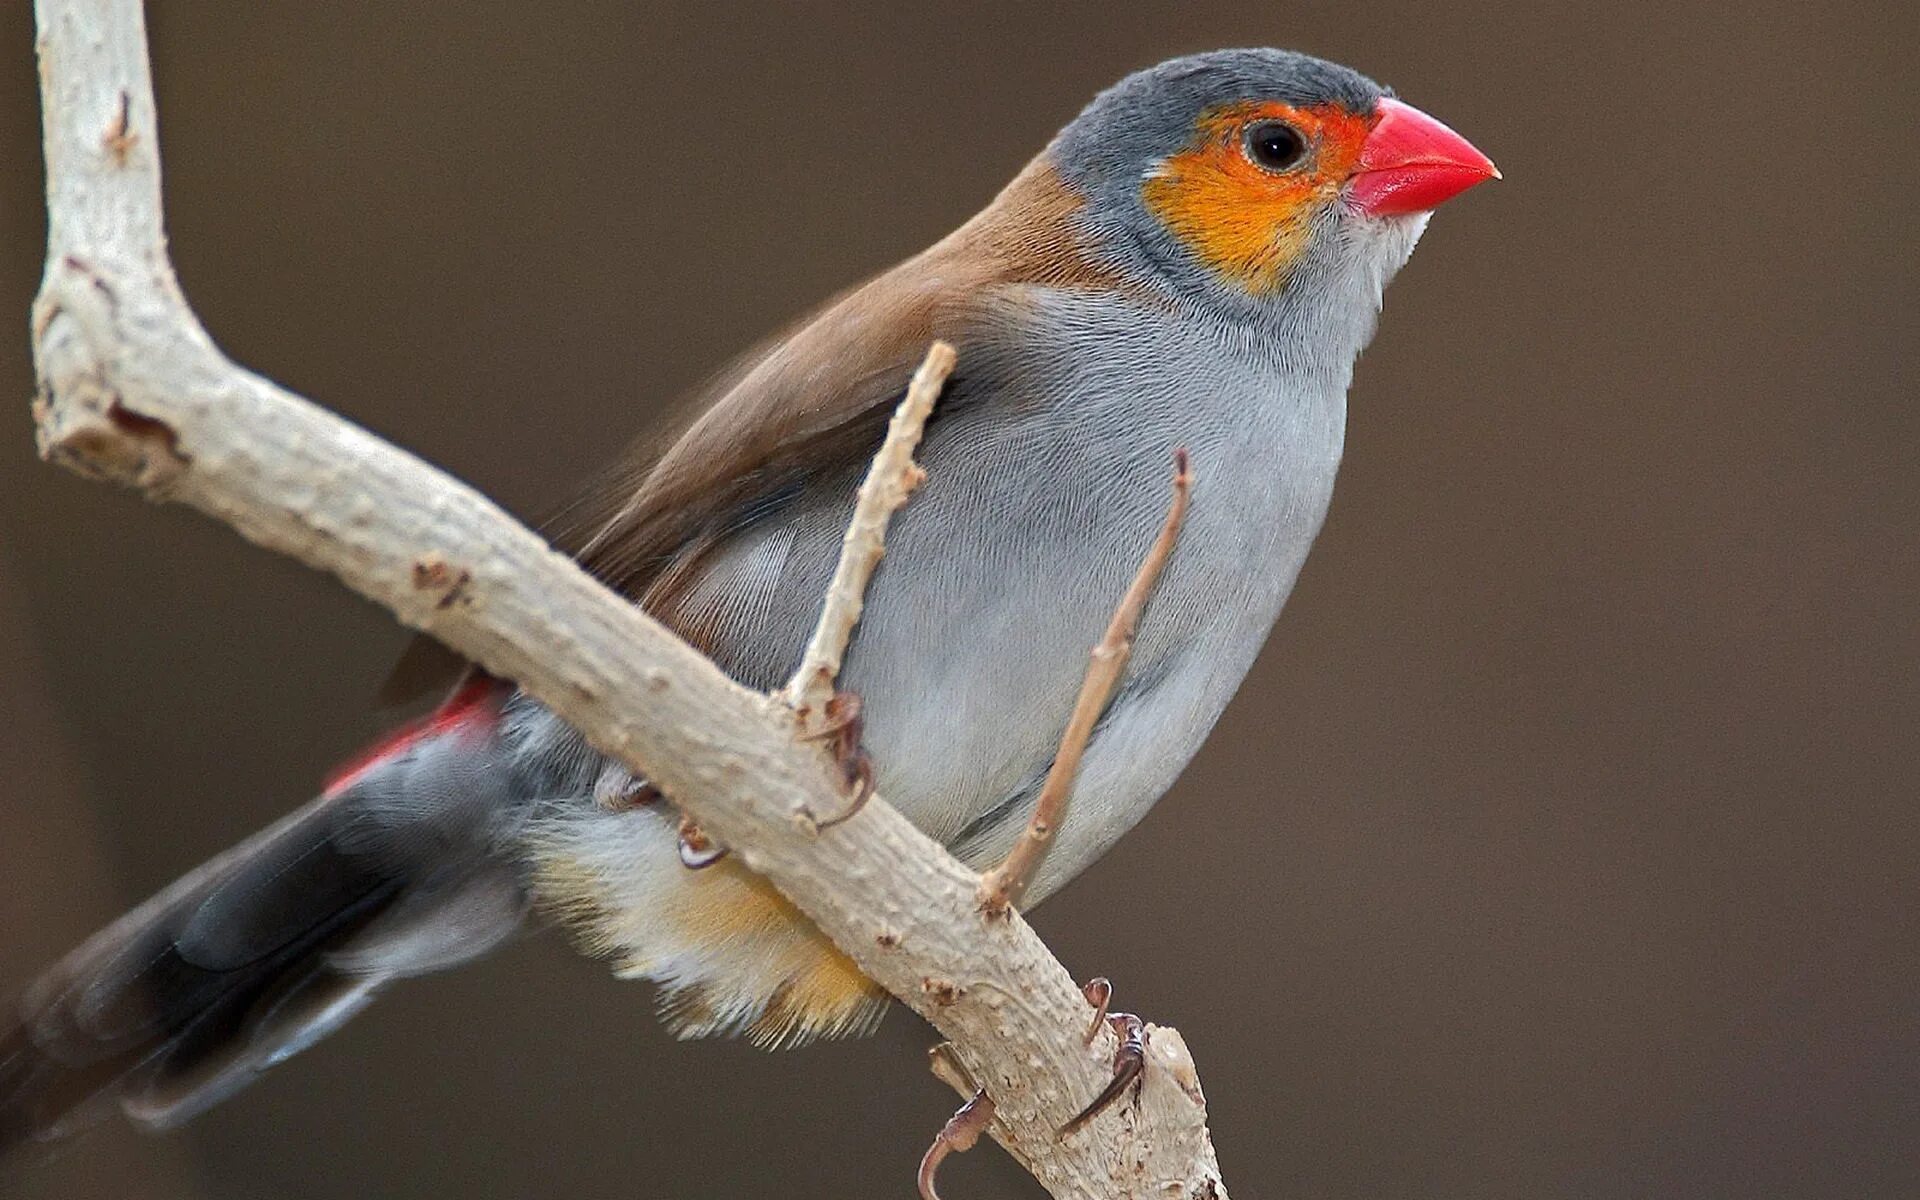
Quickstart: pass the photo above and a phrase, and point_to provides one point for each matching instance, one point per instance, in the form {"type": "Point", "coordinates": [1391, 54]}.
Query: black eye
{"type": "Point", "coordinates": [1275, 145]}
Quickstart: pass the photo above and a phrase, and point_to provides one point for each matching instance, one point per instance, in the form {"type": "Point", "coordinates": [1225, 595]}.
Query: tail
{"type": "Point", "coordinates": [400, 868]}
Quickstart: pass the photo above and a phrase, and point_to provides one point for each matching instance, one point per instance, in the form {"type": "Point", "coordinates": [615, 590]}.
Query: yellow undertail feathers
{"type": "Point", "coordinates": [730, 954]}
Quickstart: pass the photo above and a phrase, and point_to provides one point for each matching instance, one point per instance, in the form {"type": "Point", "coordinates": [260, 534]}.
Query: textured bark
{"type": "Point", "coordinates": [132, 389]}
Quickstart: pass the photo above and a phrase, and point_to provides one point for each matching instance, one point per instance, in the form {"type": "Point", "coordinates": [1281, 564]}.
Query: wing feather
{"type": "Point", "coordinates": [810, 402]}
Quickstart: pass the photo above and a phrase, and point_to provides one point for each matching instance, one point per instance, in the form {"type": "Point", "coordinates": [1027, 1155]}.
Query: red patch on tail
{"type": "Point", "coordinates": [474, 707]}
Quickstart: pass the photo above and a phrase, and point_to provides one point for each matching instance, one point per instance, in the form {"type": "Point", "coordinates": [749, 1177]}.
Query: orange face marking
{"type": "Point", "coordinates": [1243, 220]}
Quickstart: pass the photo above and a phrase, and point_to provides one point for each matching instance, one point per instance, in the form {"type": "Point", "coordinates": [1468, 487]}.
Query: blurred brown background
{"type": "Point", "coordinates": [1564, 841]}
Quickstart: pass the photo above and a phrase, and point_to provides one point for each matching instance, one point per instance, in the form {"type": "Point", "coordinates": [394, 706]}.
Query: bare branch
{"type": "Point", "coordinates": [1003, 886]}
{"type": "Point", "coordinates": [132, 389]}
{"type": "Point", "coordinates": [890, 480]}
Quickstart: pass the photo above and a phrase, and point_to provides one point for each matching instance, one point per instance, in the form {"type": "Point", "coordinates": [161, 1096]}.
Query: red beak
{"type": "Point", "coordinates": [1411, 163]}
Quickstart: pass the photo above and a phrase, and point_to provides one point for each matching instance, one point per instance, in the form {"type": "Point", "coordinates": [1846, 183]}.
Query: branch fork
{"type": "Point", "coordinates": [132, 389]}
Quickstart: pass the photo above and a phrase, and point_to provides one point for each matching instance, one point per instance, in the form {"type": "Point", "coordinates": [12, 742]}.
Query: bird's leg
{"type": "Point", "coordinates": [1129, 1061]}
{"type": "Point", "coordinates": [841, 731]}
{"type": "Point", "coordinates": [957, 1136]}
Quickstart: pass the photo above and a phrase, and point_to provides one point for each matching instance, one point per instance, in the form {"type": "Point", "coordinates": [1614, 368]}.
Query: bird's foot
{"type": "Point", "coordinates": [1129, 1061]}
{"type": "Point", "coordinates": [957, 1136]}
{"type": "Point", "coordinates": [697, 850]}
{"type": "Point", "coordinates": [617, 791]}
{"type": "Point", "coordinates": [840, 729]}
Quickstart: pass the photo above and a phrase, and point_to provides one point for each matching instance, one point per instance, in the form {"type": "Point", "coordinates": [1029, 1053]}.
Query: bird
{"type": "Point", "coordinates": [1194, 263]}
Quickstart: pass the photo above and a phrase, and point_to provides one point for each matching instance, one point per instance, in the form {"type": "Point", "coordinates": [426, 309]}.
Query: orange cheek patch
{"type": "Point", "coordinates": [1246, 223]}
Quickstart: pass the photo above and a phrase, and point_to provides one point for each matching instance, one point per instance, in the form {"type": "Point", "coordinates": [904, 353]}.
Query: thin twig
{"type": "Point", "coordinates": [943, 1061]}
{"type": "Point", "coordinates": [890, 480]}
{"type": "Point", "coordinates": [1002, 887]}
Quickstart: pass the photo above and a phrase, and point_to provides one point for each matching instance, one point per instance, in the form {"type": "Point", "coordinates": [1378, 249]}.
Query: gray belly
{"type": "Point", "coordinates": [1004, 569]}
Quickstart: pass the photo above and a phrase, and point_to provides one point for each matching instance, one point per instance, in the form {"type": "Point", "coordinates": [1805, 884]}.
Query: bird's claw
{"type": "Point", "coordinates": [1099, 993]}
{"type": "Point", "coordinates": [697, 850]}
{"type": "Point", "coordinates": [957, 1136]}
{"type": "Point", "coordinates": [1129, 1061]}
{"type": "Point", "coordinates": [841, 730]}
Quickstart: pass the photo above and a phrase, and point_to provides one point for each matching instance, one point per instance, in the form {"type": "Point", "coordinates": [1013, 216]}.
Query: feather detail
{"type": "Point", "coordinates": [815, 399]}
{"type": "Point", "coordinates": [731, 955]}
{"type": "Point", "coordinates": [810, 401]}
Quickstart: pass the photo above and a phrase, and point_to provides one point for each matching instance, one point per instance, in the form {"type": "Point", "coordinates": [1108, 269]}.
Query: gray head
{"type": "Point", "coordinates": [1249, 177]}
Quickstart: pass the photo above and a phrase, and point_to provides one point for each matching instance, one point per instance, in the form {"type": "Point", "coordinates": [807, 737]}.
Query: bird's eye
{"type": "Point", "coordinates": [1275, 146]}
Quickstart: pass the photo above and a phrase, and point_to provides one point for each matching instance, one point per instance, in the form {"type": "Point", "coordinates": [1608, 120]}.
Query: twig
{"type": "Point", "coordinates": [1002, 887]}
{"type": "Point", "coordinates": [890, 480]}
{"type": "Point", "coordinates": [132, 389]}
{"type": "Point", "coordinates": [945, 1065]}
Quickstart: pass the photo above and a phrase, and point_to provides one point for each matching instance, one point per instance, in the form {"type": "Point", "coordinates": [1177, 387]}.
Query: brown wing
{"type": "Point", "coordinates": [814, 400]}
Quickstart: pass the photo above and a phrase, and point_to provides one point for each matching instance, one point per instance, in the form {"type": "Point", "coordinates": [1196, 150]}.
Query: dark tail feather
{"type": "Point", "coordinates": [268, 948]}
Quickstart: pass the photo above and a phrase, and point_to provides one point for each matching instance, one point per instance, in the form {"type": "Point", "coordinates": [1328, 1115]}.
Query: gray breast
{"type": "Point", "coordinates": [1044, 491]}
